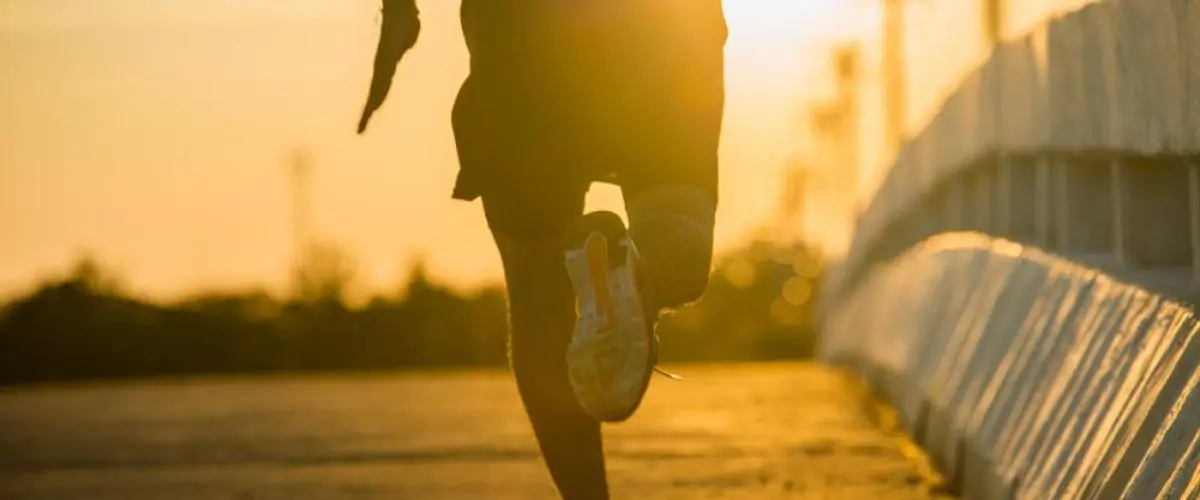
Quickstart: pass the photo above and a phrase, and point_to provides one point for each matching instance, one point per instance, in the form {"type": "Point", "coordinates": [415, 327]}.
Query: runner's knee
{"type": "Point", "coordinates": [673, 228]}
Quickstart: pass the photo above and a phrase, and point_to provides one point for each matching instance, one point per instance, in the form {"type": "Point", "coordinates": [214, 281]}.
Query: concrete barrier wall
{"type": "Point", "coordinates": [1097, 112]}
{"type": "Point", "coordinates": [1028, 376]}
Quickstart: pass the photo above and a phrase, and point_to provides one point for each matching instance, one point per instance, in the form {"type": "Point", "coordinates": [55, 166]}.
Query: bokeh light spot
{"type": "Point", "coordinates": [797, 291]}
{"type": "Point", "coordinates": [806, 266]}
{"type": "Point", "coordinates": [740, 273]}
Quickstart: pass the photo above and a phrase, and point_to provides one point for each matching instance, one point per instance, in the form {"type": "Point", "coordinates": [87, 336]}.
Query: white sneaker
{"type": "Point", "coordinates": [613, 351]}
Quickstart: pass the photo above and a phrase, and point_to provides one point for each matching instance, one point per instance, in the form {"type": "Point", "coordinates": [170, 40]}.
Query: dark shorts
{"type": "Point", "coordinates": [533, 133]}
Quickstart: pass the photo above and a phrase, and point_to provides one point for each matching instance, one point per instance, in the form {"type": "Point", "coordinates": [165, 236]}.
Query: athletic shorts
{"type": "Point", "coordinates": [636, 102]}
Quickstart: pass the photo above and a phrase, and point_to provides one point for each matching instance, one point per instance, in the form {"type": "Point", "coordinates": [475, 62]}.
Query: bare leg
{"type": "Point", "coordinates": [542, 315]}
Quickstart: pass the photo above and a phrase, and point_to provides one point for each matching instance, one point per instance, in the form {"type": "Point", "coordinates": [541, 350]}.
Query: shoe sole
{"type": "Point", "coordinates": [600, 234]}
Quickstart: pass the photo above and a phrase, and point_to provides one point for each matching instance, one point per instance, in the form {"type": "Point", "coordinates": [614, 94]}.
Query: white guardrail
{"type": "Point", "coordinates": [1027, 376]}
{"type": "Point", "coordinates": [1080, 138]}
{"type": "Point", "coordinates": [1020, 287]}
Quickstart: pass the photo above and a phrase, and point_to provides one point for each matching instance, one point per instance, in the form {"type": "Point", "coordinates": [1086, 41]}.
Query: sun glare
{"type": "Point", "coordinates": [165, 78]}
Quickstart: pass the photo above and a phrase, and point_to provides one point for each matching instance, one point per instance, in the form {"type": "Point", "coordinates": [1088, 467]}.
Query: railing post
{"type": "Point", "coordinates": [1016, 216]}
{"type": "Point", "coordinates": [925, 220]}
{"type": "Point", "coordinates": [981, 193]}
{"type": "Point", "coordinates": [954, 204]}
{"type": "Point", "coordinates": [1061, 183]}
{"type": "Point", "coordinates": [1044, 207]}
{"type": "Point", "coordinates": [1004, 225]}
{"type": "Point", "coordinates": [1085, 205]}
{"type": "Point", "coordinates": [1152, 212]}
{"type": "Point", "coordinates": [1193, 169]}
{"type": "Point", "coordinates": [1121, 214]}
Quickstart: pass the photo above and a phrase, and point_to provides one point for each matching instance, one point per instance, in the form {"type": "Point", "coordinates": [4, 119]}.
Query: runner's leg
{"type": "Point", "coordinates": [527, 223]}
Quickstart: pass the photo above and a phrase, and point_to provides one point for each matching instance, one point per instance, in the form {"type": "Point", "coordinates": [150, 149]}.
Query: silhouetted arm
{"type": "Point", "coordinates": [401, 26]}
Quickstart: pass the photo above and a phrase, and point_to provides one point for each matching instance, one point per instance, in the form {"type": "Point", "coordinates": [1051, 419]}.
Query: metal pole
{"type": "Point", "coordinates": [846, 60]}
{"type": "Point", "coordinates": [894, 75]}
{"type": "Point", "coordinates": [301, 173]}
{"type": "Point", "coordinates": [993, 22]}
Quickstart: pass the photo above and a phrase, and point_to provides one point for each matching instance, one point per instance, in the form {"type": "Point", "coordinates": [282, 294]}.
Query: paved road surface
{"type": "Point", "coordinates": [747, 431]}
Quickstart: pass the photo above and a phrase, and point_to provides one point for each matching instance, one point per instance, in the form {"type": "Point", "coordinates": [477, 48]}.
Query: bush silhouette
{"type": "Point", "coordinates": [86, 326]}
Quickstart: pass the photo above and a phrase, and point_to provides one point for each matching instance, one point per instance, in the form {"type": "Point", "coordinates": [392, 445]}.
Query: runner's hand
{"type": "Point", "coordinates": [401, 26]}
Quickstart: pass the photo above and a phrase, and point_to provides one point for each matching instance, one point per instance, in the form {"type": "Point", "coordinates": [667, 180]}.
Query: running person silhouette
{"type": "Point", "coordinates": [561, 94]}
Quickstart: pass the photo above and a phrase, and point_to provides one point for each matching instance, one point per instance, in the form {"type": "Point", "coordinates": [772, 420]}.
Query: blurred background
{"type": "Point", "coordinates": [182, 191]}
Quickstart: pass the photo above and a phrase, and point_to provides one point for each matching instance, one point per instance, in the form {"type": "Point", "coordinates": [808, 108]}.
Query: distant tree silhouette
{"type": "Point", "coordinates": [324, 275]}
{"type": "Point", "coordinates": [86, 326]}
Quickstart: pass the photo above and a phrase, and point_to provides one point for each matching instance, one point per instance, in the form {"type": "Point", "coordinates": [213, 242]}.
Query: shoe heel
{"type": "Point", "coordinates": [596, 249]}
{"type": "Point", "coordinates": [607, 223]}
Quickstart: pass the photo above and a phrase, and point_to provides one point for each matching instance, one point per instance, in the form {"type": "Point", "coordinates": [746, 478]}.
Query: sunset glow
{"type": "Point", "coordinates": [155, 135]}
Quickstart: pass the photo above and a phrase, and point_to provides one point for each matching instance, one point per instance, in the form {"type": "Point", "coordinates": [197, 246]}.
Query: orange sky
{"type": "Point", "coordinates": [154, 134]}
